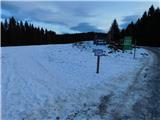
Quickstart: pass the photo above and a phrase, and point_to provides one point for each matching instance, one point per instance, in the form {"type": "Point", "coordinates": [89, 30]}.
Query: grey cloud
{"type": "Point", "coordinates": [124, 25]}
{"type": "Point", "coordinates": [41, 14]}
{"type": "Point", "coordinates": [44, 15]}
{"type": "Point", "coordinates": [86, 27]}
{"type": "Point", "coordinates": [128, 19]}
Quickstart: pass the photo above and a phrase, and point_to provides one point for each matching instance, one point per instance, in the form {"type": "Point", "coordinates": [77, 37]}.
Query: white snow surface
{"type": "Point", "coordinates": [50, 81]}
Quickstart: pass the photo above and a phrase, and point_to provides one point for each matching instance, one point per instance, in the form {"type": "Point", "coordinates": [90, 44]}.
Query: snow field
{"type": "Point", "coordinates": [45, 82]}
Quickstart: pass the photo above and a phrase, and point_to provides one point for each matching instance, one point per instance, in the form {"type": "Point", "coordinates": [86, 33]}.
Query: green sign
{"type": "Point", "coordinates": [127, 44]}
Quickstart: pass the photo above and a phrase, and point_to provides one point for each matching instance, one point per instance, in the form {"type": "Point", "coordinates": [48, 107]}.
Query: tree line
{"type": "Point", "coordinates": [19, 33]}
{"type": "Point", "coordinates": [22, 33]}
{"type": "Point", "coordinates": [145, 31]}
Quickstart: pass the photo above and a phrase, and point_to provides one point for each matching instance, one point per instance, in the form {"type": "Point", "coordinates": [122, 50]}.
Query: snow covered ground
{"type": "Point", "coordinates": [60, 82]}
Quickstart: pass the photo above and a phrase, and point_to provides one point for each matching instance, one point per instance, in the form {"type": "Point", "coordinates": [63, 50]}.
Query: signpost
{"type": "Point", "coordinates": [134, 56]}
{"type": "Point", "coordinates": [98, 53]}
{"type": "Point", "coordinates": [98, 61]}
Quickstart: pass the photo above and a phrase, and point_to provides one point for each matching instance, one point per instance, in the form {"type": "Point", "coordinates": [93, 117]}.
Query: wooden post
{"type": "Point", "coordinates": [98, 61]}
{"type": "Point", "coordinates": [134, 50]}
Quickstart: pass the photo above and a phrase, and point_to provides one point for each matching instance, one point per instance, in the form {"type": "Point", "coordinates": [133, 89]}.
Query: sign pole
{"type": "Point", "coordinates": [134, 50]}
{"type": "Point", "coordinates": [98, 53]}
{"type": "Point", "coordinates": [98, 61]}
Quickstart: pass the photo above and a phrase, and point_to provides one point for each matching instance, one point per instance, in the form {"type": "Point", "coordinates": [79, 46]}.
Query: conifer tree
{"type": "Point", "coordinates": [114, 35]}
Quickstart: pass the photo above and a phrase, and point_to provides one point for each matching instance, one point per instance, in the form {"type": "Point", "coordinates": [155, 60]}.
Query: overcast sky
{"type": "Point", "coordinates": [71, 17]}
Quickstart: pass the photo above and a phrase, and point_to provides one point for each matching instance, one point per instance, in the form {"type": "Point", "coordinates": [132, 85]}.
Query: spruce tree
{"type": "Point", "coordinates": [114, 35]}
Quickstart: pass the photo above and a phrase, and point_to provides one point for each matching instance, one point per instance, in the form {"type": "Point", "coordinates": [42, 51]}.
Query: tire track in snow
{"type": "Point", "coordinates": [149, 106]}
{"type": "Point", "coordinates": [123, 108]}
